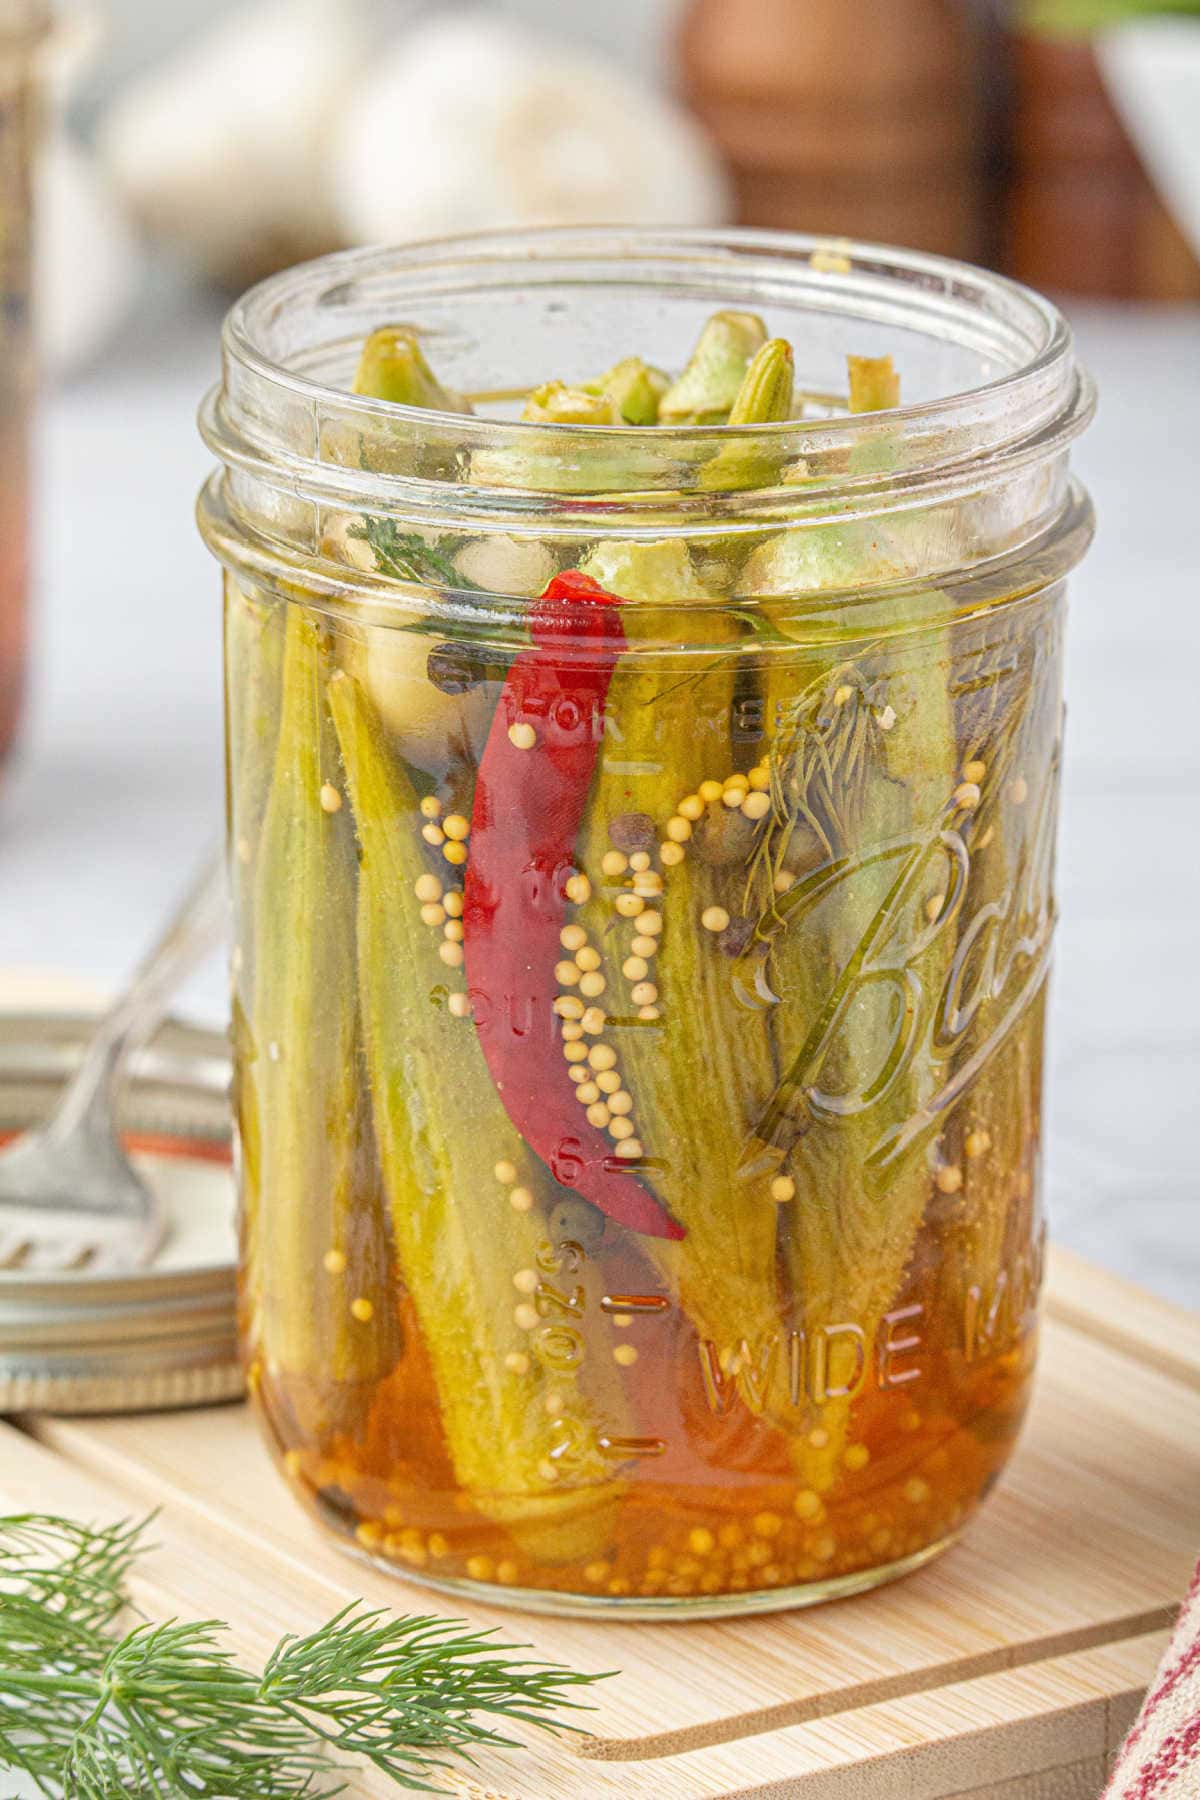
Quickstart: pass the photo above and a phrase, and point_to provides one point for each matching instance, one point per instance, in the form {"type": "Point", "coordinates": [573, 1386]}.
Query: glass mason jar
{"type": "Point", "coordinates": [639, 990]}
{"type": "Point", "coordinates": [21, 27]}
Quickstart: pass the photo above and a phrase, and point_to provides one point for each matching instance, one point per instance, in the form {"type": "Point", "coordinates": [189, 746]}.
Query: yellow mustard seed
{"type": "Point", "coordinates": [452, 931]}
{"type": "Point", "coordinates": [522, 736]}
{"type": "Point", "coordinates": [701, 1541]}
{"type": "Point", "coordinates": [331, 800]}
{"type": "Point", "coordinates": [516, 1362]}
{"type": "Point", "coordinates": [431, 807]}
{"type": "Point", "coordinates": [587, 1092]}
{"type": "Point", "coordinates": [639, 862]}
{"type": "Point", "coordinates": [568, 1007]}
{"type": "Point", "coordinates": [733, 797]}
{"type": "Point", "coordinates": [427, 887]}
{"type": "Point", "coordinates": [767, 1524]}
{"type": "Point", "coordinates": [670, 854]}
{"type": "Point", "coordinates": [575, 1052]}
{"type": "Point", "coordinates": [635, 968]}
{"type": "Point", "coordinates": [508, 1572]}
{"type": "Point", "coordinates": [521, 1199]}
{"type": "Point", "coordinates": [362, 1309]}
{"type": "Point", "coordinates": [572, 937]}
{"type": "Point", "coordinates": [594, 1020]}
{"type": "Point", "coordinates": [456, 854]}
{"type": "Point", "coordinates": [505, 1171]}
{"type": "Point", "coordinates": [626, 1355]}
{"type": "Point", "coordinates": [784, 879]}
{"type": "Point", "coordinates": [974, 770]}
{"type": "Point", "coordinates": [679, 829]}
{"type": "Point", "coordinates": [783, 1189]}
{"type": "Point", "coordinates": [452, 900]}
{"type": "Point", "coordinates": [451, 954]}
{"type": "Point", "coordinates": [714, 918]}
{"type": "Point", "coordinates": [433, 834]}
{"type": "Point", "coordinates": [607, 1081]}
{"type": "Point", "coordinates": [977, 1143]}
{"type": "Point", "coordinates": [967, 795]}
{"type": "Point", "coordinates": [438, 1545]}
{"type": "Point", "coordinates": [650, 922]}
{"type": "Point", "coordinates": [756, 806]}
{"type": "Point", "coordinates": [595, 1571]}
{"type": "Point", "coordinates": [808, 1506]}
{"type": "Point", "coordinates": [760, 778]}
{"type": "Point", "coordinates": [629, 1148]}
{"type": "Point", "coordinates": [432, 913]}
{"type": "Point", "coordinates": [691, 807]}
{"type": "Point", "coordinates": [587, 958]}
{"type": "Point", "coordinates": [480, 1568]}
{"type": "Point", "coordinates": [460, 1006]}
{"type": "Point", "coordinates": [598, 1114]}
{"type": "Point", "coordinates": [613, 863]}
{"type": "Point", "coordinates": [949, 1179]}
{"type": "Point", "coordinates": [644, 946]}
{"type": "Point", "coordinates": [916, 1491]}
{"type": "Point", "coordinates": [571, 1030]}
{"type": "Point", "coordinates": [525, 1316]}
{"type": "Point", "coordinates": [856, 1456]}
{"type": "Point", "coordinates": [335, 1262]}
{"type": "Point", "coordinates": [619, 1128]}
{"type": "Point", "coordinates": [456, 826]}
{"type": "Point", "coordinates": [592, 984]}
{"type": "Point", "coordinates": [629, 905]}
{"type": "Point", "coordinates": [644, 993]}
{"type": "Point", "coordinates": [567, 973]}
{"type": "Point", "coordinates": [602, 1056]}
{"type": "Point", "coordinates": [577, 888]}
{"type": "Point", "coordinates": [526, 1281]}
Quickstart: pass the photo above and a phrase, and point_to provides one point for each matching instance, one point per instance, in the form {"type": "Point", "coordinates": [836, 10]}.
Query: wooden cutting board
{"type": "Point", "coordinates": [1008, 1670]}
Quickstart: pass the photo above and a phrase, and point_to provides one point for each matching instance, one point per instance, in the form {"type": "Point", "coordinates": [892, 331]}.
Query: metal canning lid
{"type": "Point", "coordinates": [166, 1335]}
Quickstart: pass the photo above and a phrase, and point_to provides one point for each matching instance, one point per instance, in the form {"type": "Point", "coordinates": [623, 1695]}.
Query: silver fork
{"type": "Point", "coordinates": [69, 1197]}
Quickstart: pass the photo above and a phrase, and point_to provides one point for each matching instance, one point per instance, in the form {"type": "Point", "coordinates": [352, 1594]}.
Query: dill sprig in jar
{"type": "Point", "coordinates": [644, 720]}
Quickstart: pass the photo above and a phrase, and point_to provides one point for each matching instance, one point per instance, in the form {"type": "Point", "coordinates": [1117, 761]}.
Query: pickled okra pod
{"type": "Point", "coordinates": [693, 1060]}
{"type": "Point", "coordinates": [467, 1200]}
{"type": "Point", "coordinates": [316, 1249]}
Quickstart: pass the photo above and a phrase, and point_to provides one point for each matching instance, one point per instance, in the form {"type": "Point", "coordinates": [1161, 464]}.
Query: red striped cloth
{"type": "Point", "coordinates": [1160, 1759]}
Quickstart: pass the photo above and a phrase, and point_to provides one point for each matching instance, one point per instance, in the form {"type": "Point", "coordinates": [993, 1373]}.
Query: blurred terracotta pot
{"type": "Point", "coordinates": [854, 120]}
{"type": "Point", "coordinates": [1083, 216]}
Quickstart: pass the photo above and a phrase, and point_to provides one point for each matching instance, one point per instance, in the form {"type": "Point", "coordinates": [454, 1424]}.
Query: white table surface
{"type": "Point", "coordinates": [119, 782]}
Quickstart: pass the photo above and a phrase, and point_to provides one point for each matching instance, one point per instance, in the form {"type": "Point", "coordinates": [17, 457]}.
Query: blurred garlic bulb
{"type": "Point", "coordinates": [222, 148]}
{"type": "Point", "coordinates": [81, 225]}
{"type": "Point", "coordinates": [469, 121]}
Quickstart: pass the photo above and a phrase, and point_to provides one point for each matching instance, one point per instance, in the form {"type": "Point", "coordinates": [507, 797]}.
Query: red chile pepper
{"type": "Point", "coordinates": [530, 796]}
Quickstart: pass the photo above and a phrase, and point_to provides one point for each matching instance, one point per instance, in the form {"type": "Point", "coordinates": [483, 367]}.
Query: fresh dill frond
{"type": "Point", "coordinates": [165, 1712]}
{"type": "Point", "coordinates": [407, 556]}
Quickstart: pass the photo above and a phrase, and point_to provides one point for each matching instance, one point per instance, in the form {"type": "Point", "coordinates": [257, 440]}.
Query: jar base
{"type": "Point", "coordinates": [668, 1608]}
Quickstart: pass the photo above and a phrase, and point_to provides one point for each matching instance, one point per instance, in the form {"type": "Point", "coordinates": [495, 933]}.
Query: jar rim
{"type": "Point", "coordinates": [1036, 400]}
